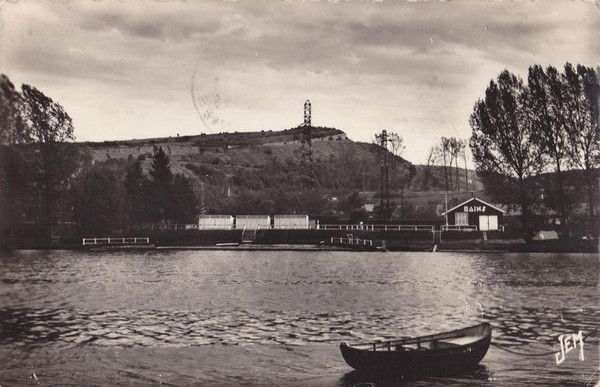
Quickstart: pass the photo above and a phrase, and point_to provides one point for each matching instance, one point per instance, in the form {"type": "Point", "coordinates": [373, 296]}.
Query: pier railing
{"type": "Point", "coordinates": [456, 227]}
{"type": "Point", "coordinates": [115, 241]}
{"type": "Point", "coordinates": [349, 227]}
{"type": "Point", "coordinates": [351, 241]}
{"type": "Point", "coordinates": [378, 227]}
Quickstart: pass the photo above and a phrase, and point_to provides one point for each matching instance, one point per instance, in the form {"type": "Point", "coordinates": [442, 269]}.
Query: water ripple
{"type": "Point", "coordinates": [184, 328]}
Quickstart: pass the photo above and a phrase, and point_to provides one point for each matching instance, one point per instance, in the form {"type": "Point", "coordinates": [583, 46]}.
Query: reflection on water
{"type": "Point", "coordinates": [479, 375]}
{"type": "Point", "coordinates": [63, 303]}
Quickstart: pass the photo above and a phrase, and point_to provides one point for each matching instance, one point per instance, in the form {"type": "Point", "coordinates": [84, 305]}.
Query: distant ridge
{"type": "Point", "coordinates": [232, 138]}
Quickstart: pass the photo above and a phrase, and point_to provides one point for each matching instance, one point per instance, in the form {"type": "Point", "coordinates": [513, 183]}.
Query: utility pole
{"type": "Point", "coordinates": [202, 202]}
{"type": "Point", "coordinates": [466, 173]}
{"type": "Point", "coordinates": [306, 161]}
{"type": "Point", "coordinates": [384, 186]}
{"type": "Point", "coordinates": [446, 205]}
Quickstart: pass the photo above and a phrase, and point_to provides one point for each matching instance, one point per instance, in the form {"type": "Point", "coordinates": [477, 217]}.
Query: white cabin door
{"type": "Point", "coordinates": [488, 222]}
{"type": "Point", "coordinates": [483, 223]}
{"type": "Point", "coordinates": [493, 222]}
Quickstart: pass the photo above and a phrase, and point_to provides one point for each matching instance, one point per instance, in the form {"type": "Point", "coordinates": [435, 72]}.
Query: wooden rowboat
{"type": "Point", "coordinates": [440, 354]}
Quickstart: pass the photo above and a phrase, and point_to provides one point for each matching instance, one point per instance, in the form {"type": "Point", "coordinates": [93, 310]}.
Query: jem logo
{"type": "Point", "coordinates": [474, 208]}
{"type": "Point", "coordinates": [567, 344]}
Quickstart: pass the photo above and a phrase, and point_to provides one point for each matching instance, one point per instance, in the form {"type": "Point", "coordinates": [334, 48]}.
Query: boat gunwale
{"type": "Point", "coordinates": [486, 328]}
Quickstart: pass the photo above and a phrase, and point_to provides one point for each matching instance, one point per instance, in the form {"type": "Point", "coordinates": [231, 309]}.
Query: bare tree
{"type": "Point", "coordinates": [432, 158]}
{"type": "Point", "coordinates": [396, 143]}
{"type": "Point", "coordinates": [444, 149]}
{"type": "Point", "coordinates": [455, 147]}
{"type": "Point", "coordinates": [450, 149]}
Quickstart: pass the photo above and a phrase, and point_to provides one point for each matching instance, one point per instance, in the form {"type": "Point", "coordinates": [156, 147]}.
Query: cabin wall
{"type": "Point", "coordinates": [290, 222]}
{"type": "Point", "coordinates": [252, 221]}
{"type": "Point", "coordinates": [215, 222]}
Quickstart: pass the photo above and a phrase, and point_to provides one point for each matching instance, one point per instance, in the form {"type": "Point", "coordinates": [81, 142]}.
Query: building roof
{"type": "Point", "coordinates": [468, 200]}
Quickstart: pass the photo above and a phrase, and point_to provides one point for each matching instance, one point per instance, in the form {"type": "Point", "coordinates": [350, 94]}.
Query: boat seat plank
{"type": "Point", "coordinates": [461, 340]}
{"type": "Point", "coordinates": [439, 344]}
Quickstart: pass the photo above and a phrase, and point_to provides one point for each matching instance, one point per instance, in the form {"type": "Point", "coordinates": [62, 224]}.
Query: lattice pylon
{"type": "Point", "coordinates": [307, 113]}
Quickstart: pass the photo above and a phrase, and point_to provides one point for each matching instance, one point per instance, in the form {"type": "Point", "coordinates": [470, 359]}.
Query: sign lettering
{"type": "Point", "coordinates": [474, 208]}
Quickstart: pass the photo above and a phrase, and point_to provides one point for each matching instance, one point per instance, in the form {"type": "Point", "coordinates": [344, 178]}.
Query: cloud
{"type": "Point", "coordinates": [164, 27]}
{"type": "Point", "coordinates": [365, 65]}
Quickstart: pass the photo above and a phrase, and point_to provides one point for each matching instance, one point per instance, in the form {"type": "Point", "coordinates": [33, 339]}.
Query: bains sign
{"type": "Point", "coordinates": [474, 208]}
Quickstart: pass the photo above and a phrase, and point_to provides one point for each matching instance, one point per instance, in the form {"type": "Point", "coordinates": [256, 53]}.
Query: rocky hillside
{"type": "Point", "coordinates": [259, 167]}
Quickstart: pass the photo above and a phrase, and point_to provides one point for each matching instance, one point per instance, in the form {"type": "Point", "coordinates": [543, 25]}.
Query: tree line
{"type": "Point", "coordinates": [548, 122]}
{"type": "Point", "coordinates": [107, 199]}
{"type": "Point", "coordinates": [45, 179]}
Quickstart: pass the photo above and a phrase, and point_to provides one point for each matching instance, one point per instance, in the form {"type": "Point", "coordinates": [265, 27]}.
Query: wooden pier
{"type": "Point", "coordinates": [116, 242]}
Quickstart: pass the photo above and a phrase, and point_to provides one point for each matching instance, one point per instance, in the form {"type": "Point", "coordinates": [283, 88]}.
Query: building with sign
{"type": "Point", "coordinates": [475, 214]}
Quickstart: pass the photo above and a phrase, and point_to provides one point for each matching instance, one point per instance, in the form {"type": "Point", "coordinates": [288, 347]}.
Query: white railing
{"type": "Point", "coordinates": [290, 227]}
{"type": "Point", "coordinates": [184, 226]}
{"type": "Point", "coordinates": [378, 227]}
{"type": "Point", "coordinates": [252, 226]}
{"type": "Point", "coordinates": [456, 227]}
{"type": "Point", "coordinates": [352, 241]}
{"type": "Point", "coordinates": [115, 241]}
{"type": "Point", "coordinates": [350, 227]}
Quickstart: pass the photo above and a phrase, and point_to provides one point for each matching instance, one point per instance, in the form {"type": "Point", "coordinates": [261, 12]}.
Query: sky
{"type": "Point", "coordinates": [139, 69]}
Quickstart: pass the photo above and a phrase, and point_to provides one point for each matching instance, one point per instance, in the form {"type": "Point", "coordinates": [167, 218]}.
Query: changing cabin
{"type": "Point", "coordinates": [215, 222]}
{"type": "Point", "coordinates": [290, 222]}
{"type": "Point", "coordinates": [252, 222]}
{"type": "Point", "coordinates": [475, 214]}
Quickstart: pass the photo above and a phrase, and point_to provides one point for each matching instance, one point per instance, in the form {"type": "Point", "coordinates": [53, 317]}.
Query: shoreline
{"type": "Point", "coordinates": [311, 240]}
{"type": "Point", "coordinates": [458, 247]}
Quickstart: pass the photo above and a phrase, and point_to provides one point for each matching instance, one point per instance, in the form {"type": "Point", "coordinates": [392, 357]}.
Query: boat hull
{"type": "Point", "coordinates": [447, 361]}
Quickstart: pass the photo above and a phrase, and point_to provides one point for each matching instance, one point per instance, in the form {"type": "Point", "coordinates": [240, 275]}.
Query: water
{"type": "Point", "coordinates": [277, 318]}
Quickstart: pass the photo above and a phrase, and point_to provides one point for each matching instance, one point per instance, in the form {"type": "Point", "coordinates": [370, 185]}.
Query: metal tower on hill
{"type": "Point", "coordinates": [384, 187]}
{"type": "Point", "coordinates": [307, 113]}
